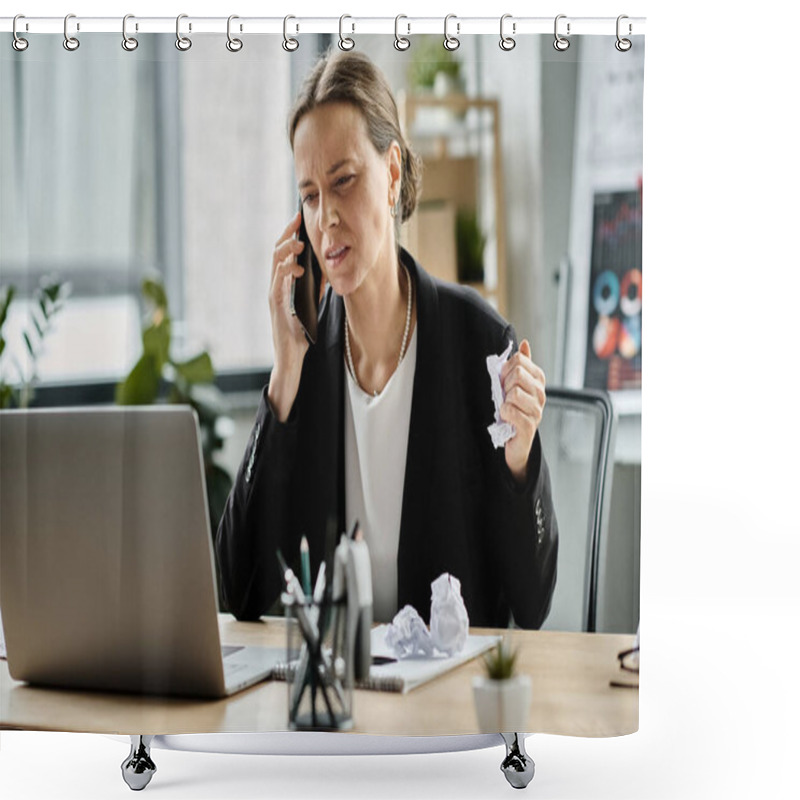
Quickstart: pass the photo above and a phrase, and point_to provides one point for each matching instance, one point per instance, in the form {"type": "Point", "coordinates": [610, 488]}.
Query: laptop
{"type": "Point", "coordinates": [107, 576]}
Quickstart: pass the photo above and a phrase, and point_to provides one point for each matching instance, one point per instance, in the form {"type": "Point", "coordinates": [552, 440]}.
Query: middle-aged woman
{"type": "Point", "coordinates": [385, 418]}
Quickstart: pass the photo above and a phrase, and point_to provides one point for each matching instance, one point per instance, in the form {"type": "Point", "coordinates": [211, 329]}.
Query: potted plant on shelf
{"type": "Point", "coordinates": [502, 698]}
{"type": "Point", "coordinates": [470, 244]}
{"type": "Point", "coordinates": [435, 70]}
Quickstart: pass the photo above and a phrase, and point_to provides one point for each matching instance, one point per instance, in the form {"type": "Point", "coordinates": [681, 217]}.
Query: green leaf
{"type": "Point", "coordinates": [52, 290]}
{"type": "Point", "coordinates": [153, 290]}
{"type": "Point", "coordinates": [156, 341]}
{"type": "Point", "coordinates": [6, 393]}
{"type": "Point", "coordinates": [500, 661]}
{"type": "Point", "coordinates": [196, 370]}
{"type": "Point", "coordinates": [28, 344]}
{"type": "Point", "coordinates": [176, 397]}
{"type": "Point", "coordinates": [37, 326]}
{"type": "Point", "coordinates": [2, 345]}
{"type": "Point", "coordinates": [5, 301]}
{"type": "Point", "coordinates": [141, 386]}
{"type": "Point", "coordinates": [43, 307]}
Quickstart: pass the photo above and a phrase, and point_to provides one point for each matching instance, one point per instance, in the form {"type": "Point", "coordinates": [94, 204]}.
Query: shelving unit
{"type": "Point", "coordinates": [458, 138]}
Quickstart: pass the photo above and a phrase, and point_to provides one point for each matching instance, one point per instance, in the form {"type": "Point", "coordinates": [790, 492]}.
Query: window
{"type": "Point", "coordinates": [116, 165]}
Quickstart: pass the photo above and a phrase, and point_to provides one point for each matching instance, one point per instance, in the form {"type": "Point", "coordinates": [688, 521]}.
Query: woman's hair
{"type": "Point", "coordinates": [350, 77]}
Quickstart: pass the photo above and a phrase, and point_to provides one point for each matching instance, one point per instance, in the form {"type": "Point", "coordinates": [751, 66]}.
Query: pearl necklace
{"type": "Point", "coordinates": [402, 346]}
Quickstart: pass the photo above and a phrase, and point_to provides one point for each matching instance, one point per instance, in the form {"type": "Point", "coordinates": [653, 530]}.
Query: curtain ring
{"type": "Point", "coordinates": [451, 42]}
{"type": "Point", "coordinates": [129, 43]}
{"type": "Point", "coordinates": [507, 42]}
{"type": "Point", "coordinates": [183, 43]}
{"type": "Point", "coordinates": [234, 45]}
{"type": "Point", "coordinates": [401, 42]}
{"type": "Point", "coordinates": [623, 45]}
{"type": "Point", "coordinates": [290, 44]}
{"type": "Point", "coordinates": [19, 44]}
{"type": "Point", "coordinates": [561, 43]}
{"type": "Point", "coordinates": [345, 42]}
{"type": "Point", "coordinates": [70, 42]}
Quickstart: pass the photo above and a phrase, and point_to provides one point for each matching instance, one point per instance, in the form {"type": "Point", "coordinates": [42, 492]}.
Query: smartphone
{"type": "Point", "coordinates": [306, 289]}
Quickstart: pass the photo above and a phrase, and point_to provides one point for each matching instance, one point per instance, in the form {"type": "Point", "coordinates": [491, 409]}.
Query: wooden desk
{"type": "Point", "coordinates": [570, 674]}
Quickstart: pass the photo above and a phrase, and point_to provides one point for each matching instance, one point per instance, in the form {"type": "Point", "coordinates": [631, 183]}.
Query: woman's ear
{"type": "Point", "coordinates": [394, 158]}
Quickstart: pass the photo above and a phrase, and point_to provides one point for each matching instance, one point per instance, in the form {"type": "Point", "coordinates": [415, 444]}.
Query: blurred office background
{"type": "Point", "coordinates": [121, 166]}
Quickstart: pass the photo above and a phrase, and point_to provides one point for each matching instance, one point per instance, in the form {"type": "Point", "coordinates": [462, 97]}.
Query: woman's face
{"type": "Point", "coordinates": [346, 188]}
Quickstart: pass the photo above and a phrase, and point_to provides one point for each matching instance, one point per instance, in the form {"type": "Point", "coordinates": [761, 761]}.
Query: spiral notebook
{"type": "Point", "coordinates": [403, 675]}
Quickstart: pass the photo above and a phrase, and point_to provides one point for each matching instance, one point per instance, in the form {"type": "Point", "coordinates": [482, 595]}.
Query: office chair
{"type": "Point", "coordinates": [578, 432]}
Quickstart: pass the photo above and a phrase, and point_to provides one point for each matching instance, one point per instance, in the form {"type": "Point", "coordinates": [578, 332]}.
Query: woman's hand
{"type": "Point", "coordinates": [523, 384]}
{"type": "Point", "coordinates": [288, 339]}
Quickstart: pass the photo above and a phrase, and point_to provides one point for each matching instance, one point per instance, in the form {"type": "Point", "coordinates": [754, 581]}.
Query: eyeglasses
{"type": "Point", "coordinates": [628, 661]}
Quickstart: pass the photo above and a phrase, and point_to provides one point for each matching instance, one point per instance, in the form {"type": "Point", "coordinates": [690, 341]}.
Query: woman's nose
{"type": "Point", "coordinates": [328, 213]}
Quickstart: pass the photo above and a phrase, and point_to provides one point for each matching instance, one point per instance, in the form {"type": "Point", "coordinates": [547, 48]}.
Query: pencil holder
{"type": "Point", "coordinates": [320, 674]}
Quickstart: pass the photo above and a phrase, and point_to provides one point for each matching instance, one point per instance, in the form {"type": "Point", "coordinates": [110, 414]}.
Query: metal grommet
{"type": "Point", "coordinates": [451, 42]}
{"type": "Point", "coordinates": [345, 42]}
{"type": "Point", "coordinates": [70, 42]}
{"type": "Point", "coordinates": [18, 43]}
{"type": "Point", "coordinates": [182, 42]}
{"type": "Point", "coordinates": [623, 45]}
{"type": "Point", "coordinates": [129, 43]}
{"type": "Point", "coordinates": [290, 44]}
{"type": "Point", "coordinates": [561, 43]}
{"type": "Point", "coordinates": [507, 42]}
{"type": "Point", "coordinates": [234, 45]}
{"type": "Point", "coordinates": [401, 42]}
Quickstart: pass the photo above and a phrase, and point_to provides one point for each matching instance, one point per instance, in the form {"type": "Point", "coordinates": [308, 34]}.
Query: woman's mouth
{"type": "Point", "coordinates": [335, 255]}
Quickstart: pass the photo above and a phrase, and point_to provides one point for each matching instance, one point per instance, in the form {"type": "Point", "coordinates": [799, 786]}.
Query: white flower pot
{"type": "Point", "coordinates": [502, 706]}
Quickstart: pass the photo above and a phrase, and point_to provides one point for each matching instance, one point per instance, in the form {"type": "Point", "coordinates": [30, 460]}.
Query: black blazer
{"type": "Point", "coordinates": [462, 511]}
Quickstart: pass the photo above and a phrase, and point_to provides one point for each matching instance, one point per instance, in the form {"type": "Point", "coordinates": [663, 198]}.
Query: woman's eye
{"type": "Point", "coordinates": [344, 180]}
{"type": "Point", "coordinates": [309, 198]}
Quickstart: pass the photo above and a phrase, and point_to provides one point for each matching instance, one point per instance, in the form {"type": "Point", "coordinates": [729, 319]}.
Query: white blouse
{"type": "Point", "coordinates": [375, 447]}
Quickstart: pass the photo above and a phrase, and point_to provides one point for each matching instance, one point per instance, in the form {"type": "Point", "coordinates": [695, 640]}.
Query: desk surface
{"type": "Point", "coordinates": [570, 674]}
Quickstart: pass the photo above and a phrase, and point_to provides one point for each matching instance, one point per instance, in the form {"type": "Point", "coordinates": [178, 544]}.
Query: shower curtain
{"type": "Point", "coordinates": [143, 191]}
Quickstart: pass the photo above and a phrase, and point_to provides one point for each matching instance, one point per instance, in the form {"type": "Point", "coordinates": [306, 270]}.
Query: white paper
{"type": "Point", "coordinates": [449, 618]}
{"type": "Point", "coordinates": [408, 635]}
{"type": "Point", "coordinates": [407, 673]}
{"type": "Point", "coordinates": [500, 431]}
{"type": "Point", "coordinates": [2, 639]}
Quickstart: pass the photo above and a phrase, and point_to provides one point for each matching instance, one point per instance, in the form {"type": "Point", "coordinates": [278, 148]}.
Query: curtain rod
{"type": "Point", "coordinates": [406, 25]}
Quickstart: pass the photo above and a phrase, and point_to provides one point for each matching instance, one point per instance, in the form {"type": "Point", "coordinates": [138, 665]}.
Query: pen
{"type": "Point", "coordinates": [317, 606]}
{"type": "Point", "coordinates": [282, 565]}
{"type": "Point", "coordinates": [305, 566]}
{"type": "Point", "coordinates": [319, 586]}
{"type": "Point", "coordinates": [293, 587]}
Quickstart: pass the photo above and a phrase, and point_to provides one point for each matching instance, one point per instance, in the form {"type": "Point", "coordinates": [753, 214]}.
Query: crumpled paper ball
{"type": "Point", "coordinates": [500, 431]}
{"type": "Point", "coordinates": [449, 618]}
{"type": "Point", "coordinates": [408, 635]}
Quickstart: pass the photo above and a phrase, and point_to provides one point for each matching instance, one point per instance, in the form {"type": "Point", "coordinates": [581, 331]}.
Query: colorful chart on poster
{"type": "Point", "coordinates": [614, 348]}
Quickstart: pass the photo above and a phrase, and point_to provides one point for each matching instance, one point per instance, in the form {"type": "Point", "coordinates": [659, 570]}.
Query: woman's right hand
{"type": "Point", "coordinates": [289, 342]}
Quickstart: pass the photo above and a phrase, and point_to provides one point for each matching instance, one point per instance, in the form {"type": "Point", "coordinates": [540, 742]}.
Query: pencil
{"type": "Point", "coordinates": [305, 567]}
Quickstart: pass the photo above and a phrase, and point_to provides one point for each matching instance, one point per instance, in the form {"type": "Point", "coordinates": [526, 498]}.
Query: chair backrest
{"type": "Point", "coordinates": [578, 432]}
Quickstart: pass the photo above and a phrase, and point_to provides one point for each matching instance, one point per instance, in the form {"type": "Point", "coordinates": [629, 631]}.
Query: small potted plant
{"type": "Point", "coordinates": [470, 244]}
{"type": "Point", "coordinates": [435, 70]}
{"type": "Point", "coordinates": [502, 698]}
